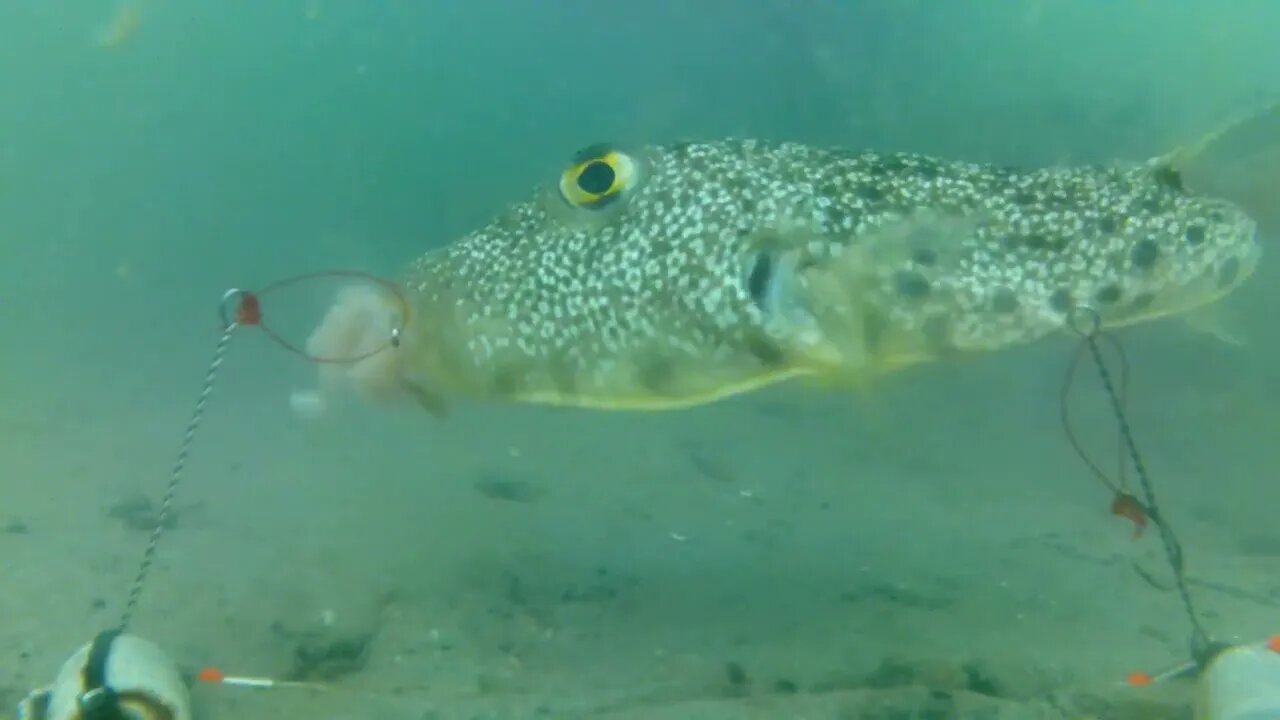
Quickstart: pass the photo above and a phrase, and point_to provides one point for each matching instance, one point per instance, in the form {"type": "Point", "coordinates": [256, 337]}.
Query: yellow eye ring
{"type": "Point", "coordinates": [597, 178]}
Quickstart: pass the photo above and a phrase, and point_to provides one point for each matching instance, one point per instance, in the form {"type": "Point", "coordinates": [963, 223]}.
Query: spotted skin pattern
{"type": "Point", "coordinates": [726, 266]}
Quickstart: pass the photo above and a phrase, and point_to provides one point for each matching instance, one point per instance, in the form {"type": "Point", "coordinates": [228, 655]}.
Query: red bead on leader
{"type": "Point", "coordinates": [250, 310]}
{"type": "Point", "coordinates": [244, 307]}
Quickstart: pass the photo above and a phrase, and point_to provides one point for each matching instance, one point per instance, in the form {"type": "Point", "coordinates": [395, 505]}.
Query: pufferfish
{"type": "Point", "coordinates": [665, 276]}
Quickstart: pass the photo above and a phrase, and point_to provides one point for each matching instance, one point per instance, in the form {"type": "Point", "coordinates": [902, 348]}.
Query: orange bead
{"type": "Point", "coordinates": [1273, 643]}
{"type": "Point", "coordinates": [210, 675]}
{"type": "Point", "coordinates": [1140, 679]}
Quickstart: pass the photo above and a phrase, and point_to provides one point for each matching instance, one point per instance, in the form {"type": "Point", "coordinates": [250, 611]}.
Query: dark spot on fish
{"type": "Point", "coordinates": [1003, 301]}
{"type": "Point", "coordinates": [563, 374]}
{"type": "Point", "coordinates": [1108, 294]}
{"type": "Point", "coordinates": [1194, 235]}
{"type": "Point", "coordinates": [911, 284]}
{"type": "Point", "coordinates": [1060, 300]}
{"type": "Point", "coordinates": [827, 189]}
{"type": "Point", "coordinates": [655, 374]}
{"type": "Point", "coordinates": [747, 204]}
{"type": "Point", "coordinates": [978, 681]}
{"type": "Point", "coordinates": [893, 164]}
{"type": "Point", "coordinates": [736, 676]}
{"type": "Point", "coordinates": [1152, 204]}
{"type": "Point", "coordinates": [766, 351]}
{"type": "Point", "coordinates": [510, 220]}
{"type": "Point", "coordinates": [1216, 216]}
{"type": "Point", "coordinates": [873, 327]}
{"type": "Point", "coordinates": [927, 169]}
{"type": "Point", "coordinates": [1108, 223]}
{"type": "Point", "coordinates": [891, 672]}
{"type": "Point", "coordinates": [1116, 260]}
{"type": "Point", "coordinates": [508, 379]}
{"type": "Point", "coordinates": [924, 257]}
{"type": "Point", "coordinates": [937, 334]}
{"type": "Point", "coordinates": [1024, 197]}
{"type": "Point", "coordinates": [840, 220]}
{"type": "Point", "coordinates": [1035, 241]}
{"type": "Point", "coordinates": [1144, 254]}
{"type": "Point", "coordinates": [1141, 301]}
{"type": "Point", "coordinates": [1228, 272]}
{"type": "Point", "coordinates": [782, 686]}
{"type": "Point", "coordinates": [935, 709]}
{"type": "Point", "coordinates": [1043, 242]}
{"type": "Point", "coordinates": [1168, 178]}
{"type": "Point", "coordinates": [870, 191]}
{"type": "Point", "coordinates": [758, 279]}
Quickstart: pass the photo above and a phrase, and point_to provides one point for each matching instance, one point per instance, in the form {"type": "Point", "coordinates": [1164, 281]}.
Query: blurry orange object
{"type": "Point", "coordinates": [1127, 506]}
{"type": "Point", "coordinates": [1140, 679]}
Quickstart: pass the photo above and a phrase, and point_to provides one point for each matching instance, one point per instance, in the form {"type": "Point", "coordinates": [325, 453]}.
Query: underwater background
{"type": "Point", "coordinates": [799, 552]}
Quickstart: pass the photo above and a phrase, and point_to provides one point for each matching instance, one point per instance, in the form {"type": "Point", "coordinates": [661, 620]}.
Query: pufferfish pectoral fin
{"type": "Point", "coordinates": [1240, 163]}
{"type": "Point", "coordinates": [1218, 323]}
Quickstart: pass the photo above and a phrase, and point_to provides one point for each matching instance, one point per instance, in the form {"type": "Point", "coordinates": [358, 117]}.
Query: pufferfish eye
{"type": "Point", "coordinates": [598, 176]}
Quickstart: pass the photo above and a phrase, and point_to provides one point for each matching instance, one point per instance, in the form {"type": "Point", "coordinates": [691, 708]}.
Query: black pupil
{"type": "Point", "coordinates": [596, 178]}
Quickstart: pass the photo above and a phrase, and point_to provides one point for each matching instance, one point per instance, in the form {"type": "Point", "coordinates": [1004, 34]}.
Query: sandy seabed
{"type": "Point", "coordinates": [928, 549]}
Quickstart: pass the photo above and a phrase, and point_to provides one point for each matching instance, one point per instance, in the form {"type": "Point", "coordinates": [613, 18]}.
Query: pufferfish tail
{"type": "Point", "coordinates": [1240, 162]}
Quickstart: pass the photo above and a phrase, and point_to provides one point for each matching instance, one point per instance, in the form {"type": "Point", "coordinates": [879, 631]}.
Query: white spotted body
{"type": "Point", "coordinates": [722, 267]}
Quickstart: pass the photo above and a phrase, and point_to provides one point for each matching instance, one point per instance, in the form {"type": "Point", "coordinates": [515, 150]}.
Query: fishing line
{"type": "Point", "coordinates": [1087, 323]}
{"type": "Point", "coordinates": [117, 675]}
{"type": "Point", "coordinates": [1120, 486]}
{"type": "Point", "coordinates": [246, 312]}
{"type": "Point", "coordinates": [240, 308]}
